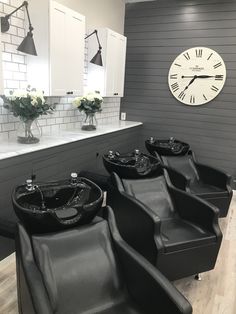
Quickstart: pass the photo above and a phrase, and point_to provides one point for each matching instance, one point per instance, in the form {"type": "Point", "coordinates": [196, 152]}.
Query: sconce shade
{"type": "Point", "coordinates": [27, 45]}
{"type": "Point", "coordinates": [97, 59]}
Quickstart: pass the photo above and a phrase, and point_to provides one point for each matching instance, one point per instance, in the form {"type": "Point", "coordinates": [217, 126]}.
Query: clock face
{"type": "Point", "coordinates": [197, 76]}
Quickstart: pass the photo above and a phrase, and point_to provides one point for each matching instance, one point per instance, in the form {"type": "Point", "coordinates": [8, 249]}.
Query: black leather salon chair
{"type": "Point", "coordinates": [175, 231]}
{"type": "Point", "coordinates": [206, 182]}
{"type": "Point", "coordinates": [87, 270]}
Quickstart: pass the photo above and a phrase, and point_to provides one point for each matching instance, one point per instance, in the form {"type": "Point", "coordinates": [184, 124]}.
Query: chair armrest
{"type": "Point", "coordinates": [138, 226]}
{"type": "Point", "coordinates": [177, 179]}
{"type": "Point", "coordinates": [146, 285]}
{"type": "Point", "coordinates": [214, 176]}
{"type": "Point", "coordinates": [196, 210]}
{"type": "Point", "coordinates": [31, 290]}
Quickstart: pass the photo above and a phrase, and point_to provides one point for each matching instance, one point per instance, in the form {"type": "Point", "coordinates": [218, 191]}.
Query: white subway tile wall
{"type": "Point", "coordinates": [66, 115]}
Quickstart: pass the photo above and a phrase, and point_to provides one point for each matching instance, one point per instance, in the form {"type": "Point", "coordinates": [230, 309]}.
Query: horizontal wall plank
{"type": "Point", "coordinates": [223, 96]}
{"type": "Point", "coordinates": [173, 3]}
{"type": "Point", "coordinates": [164, 72]}
{"type": "Point", "coordinates": [177, 50]}
{"type": "Point", "coordinates": [158, 57]}
{"type": "Point", "coordinates": [184, 34]}
{"type": "Point", "coordinates": [187, 9]}
{"type": "Point", "coordinates": [157, 27]}
{"type": "Point", "coordinates": [180, 42]}
{"type": "Point", "coordinates": [180, 18]}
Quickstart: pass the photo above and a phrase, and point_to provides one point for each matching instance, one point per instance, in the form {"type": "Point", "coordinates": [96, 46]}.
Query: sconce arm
{"type": "Point", "coordinates": [4, 19]}
{"type": "Point", "coordinates": [25, 3]}
{"type": "Point", "coordinates": [95, 32]}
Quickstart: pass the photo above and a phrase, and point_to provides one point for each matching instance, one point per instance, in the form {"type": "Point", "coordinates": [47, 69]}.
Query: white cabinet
{"type": "Point", "coordinates": [59, 38]}
{"type": "Point", "coordinates": [109, 79]}
{"type": "Point", "coordinates": [1, 70]}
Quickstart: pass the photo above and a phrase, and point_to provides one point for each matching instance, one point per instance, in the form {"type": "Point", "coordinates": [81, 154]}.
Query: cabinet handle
{"type": "Point", "coordinates": [115, 94]}
{"type": "Point", "coordinates": [69, 93]}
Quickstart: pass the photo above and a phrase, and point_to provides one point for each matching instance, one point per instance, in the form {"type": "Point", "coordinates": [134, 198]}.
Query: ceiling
{"type": "Point", "coordinates": [131, 1]}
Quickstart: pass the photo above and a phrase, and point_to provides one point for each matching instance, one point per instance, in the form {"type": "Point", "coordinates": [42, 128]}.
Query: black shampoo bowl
{"type": "Point", "coordinates": [46, 207]}
{"type": "Point", "coordinates": [131, 165]}
{"type": "Point", "coordinates": [164, 147]}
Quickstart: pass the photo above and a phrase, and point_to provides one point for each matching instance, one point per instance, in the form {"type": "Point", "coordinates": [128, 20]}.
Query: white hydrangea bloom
{"type": "Point", "coordinates": [90, 97]}
{"type": "Point", "coordinates": [77, 101]}
{"type": "Point", "coordinates": [36, 94]}
{"type": "Point", "coordinates": [34, 102]}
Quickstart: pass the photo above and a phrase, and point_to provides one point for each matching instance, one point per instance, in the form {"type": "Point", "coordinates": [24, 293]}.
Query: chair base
{"type": "Point", "coordinates": [179, 264]}
{"type": "Point", "coordinates": [198, 277]}
{"type": "Point", "coordinates": [222, 203]}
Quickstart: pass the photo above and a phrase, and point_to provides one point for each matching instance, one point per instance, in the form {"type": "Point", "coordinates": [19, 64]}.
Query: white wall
{"type": "Point", "coordinates": [100, 13]}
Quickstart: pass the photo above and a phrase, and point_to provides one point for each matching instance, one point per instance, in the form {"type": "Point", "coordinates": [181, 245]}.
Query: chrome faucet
{"type": "Point", "coordinates": [74, 178]}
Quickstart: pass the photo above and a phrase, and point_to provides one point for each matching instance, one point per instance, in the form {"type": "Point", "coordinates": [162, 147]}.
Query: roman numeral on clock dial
{"type": "Point", "coordinates": [217, 65]}
{"type": "Point", "coordinates": [175, 87]}
{"type": "Point", "coordinates": [187, 56]}
{"type": "Point", "coordinates": [192, 99]}
{"type": "Point", "coordinates": [173, 76]}
{"type": "Point", "coordinates": [214, 88]}
{"type": "Point", "coordinates": [198, 53]}
{"type": "Point", "coordinates": [210, 56]}
{"type": "Point", "coordinates": [219, 77]}
{"type": "Point", "coordinates": [182, 95]}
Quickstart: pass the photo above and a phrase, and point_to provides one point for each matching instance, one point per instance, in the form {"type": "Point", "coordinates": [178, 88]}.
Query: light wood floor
{"type": "Point", "coordinates": [215, 294]}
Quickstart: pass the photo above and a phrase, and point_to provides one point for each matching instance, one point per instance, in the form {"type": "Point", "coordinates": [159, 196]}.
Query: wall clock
{"type": "Point", "coordinates": [197, 76]}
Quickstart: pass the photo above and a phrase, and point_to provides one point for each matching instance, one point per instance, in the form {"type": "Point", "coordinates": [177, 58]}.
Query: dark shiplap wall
{"type": "Point", "coordinates": [157, 32]}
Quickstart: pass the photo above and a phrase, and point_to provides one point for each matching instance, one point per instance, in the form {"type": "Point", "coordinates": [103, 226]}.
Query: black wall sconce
{"type": "Point", "coordinates": [97, 59]}
{"type": "Point", "coordinates": [27, 45]}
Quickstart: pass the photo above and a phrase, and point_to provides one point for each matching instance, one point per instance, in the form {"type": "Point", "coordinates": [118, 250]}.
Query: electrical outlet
{"type": "Point", "coordinates": [123, 116]}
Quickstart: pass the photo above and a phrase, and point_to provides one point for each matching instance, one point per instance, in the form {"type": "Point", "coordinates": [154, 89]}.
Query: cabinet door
{"type": "Point", "coordinates": [115, 66]}
{"type": "Point", "coordinates": [109, 79]}
{"type": "Point", "coordinates": [58, 28]}
{"type": "Point", "coordinates": [119, 77]}
{"type": "Point", "coordinates": [75, 43]}
{"type": "Point", "coordinates": [1, 70]}
{"type": "Point", "coordinates": [111, 63]}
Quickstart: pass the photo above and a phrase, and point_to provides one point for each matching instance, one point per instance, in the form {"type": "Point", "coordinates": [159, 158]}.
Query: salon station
{"type": "Point", "coordinates": [117, 157]}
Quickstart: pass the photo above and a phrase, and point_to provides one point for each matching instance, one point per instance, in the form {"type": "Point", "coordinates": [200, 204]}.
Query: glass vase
{"type": "Point", "coordinates": [29, 132]}
{"type": "Point", "coordinates": [89, 122]}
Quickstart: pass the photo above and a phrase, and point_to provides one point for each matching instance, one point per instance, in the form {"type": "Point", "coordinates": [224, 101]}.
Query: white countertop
{"type": "Point", "coordinates": [12, 148]}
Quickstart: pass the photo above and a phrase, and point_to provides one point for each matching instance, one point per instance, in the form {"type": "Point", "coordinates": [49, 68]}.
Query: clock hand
{"type": "Point", "coordinates": [205, 76]}
{"type": "Point", "coordinates": [191, 82]}
{"type": "Point", "coordinates": [198, 76]}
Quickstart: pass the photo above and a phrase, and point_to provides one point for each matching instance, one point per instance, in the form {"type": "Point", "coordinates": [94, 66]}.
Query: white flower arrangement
{"type": "Point", "coordinates": [89, 103]}
{"type": "Point", "coordinates": [27, 104]}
